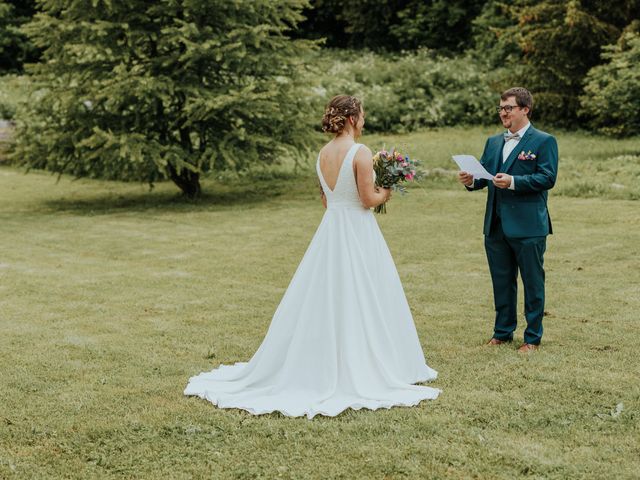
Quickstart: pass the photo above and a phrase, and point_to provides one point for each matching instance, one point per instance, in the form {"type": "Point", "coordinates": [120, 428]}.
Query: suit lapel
{"type": "Point", "coordinates": [497, 158]}
{"type": "Point", "coordinates": [522, 144]}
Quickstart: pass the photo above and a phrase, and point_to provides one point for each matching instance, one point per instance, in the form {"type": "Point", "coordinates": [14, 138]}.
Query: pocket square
{"type": "Point", "coordinates": [526, 156]}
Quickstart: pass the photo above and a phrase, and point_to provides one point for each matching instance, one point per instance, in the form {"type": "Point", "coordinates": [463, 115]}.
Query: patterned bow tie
{"type": "Point", "coordinates": [511, 136]}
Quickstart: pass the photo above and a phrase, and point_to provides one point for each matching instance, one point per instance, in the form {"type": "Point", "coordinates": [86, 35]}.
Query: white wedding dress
{"type": "Point", "coordinates": [343, 335]}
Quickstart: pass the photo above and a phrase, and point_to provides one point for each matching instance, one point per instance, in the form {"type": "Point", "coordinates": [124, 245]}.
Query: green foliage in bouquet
{"type": "Point", "coordinates": [409, 92]}
{"type": "Point", "coordinates": [144, 90]}
{"type": "Point", "coordinates": [611, 100]}
{"type": "Point", "coordinates": [392, 169]}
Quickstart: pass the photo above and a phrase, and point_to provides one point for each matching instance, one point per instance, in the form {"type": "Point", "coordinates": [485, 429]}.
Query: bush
{"type": "Point", "coordinates": [410, 92]}
{"type": "Point", "coordinates": [13, 90]}
{"type": "Point", "coordinates": [611, 100]}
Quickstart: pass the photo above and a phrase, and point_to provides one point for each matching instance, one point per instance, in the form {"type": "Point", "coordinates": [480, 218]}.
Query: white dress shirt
{"type": "Point", "coordinates": [509, 145]}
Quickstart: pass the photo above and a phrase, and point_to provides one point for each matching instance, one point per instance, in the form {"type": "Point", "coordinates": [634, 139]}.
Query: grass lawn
{"type": "Point", "coordinates": [112, 296]}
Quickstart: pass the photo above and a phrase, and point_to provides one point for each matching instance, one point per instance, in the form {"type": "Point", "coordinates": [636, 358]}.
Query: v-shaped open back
{"type": "Point", "coordinates": [342, 336]}
{"type": "Point", "coordinates": [345, 190]}
{"type": "Point", "coordinates": [344, 160]}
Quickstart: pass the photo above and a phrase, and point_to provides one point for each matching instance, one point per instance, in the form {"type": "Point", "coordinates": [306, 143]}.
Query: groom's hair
{"type": "Point", "coordinates": [523, 97]}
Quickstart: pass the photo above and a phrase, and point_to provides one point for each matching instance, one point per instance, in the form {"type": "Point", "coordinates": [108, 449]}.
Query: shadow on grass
{"type": "Point", "coordinates": [105, 203]}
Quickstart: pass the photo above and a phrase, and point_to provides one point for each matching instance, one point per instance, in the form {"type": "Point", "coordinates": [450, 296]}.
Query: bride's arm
{"type": "Point", "coordinates": [323, 197]}
{"type": "Point", "coordinates": [370, 195]}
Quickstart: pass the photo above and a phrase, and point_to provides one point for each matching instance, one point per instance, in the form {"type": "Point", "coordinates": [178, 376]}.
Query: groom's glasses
{"type": "Point", "coordinates": [506, 108]}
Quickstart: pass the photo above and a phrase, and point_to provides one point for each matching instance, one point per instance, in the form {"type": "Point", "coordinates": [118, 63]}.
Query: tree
{"type": "Point", "coordinates": [370, 23]}
{"type": "Point", "coordinates": [392, 25]}
{"type": "Point", "coordinates": [492, 39]}
{"type": "Point", "coordinates": [323, 21]}
{"type": "Point", "coordinates": [15, 47]}
{"type": "Point", "coordinates": [611, 99]}
{"type": "Point", "coordinates": [443, 25]}
{"type": "Point", "coordinates": [550, 46]}
{"type": "Point", "coordinates": [144, 90]}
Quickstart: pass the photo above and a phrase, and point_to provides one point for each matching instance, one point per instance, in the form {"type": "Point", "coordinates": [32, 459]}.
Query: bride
{"type": "Point", "coordinates": [343, 335]}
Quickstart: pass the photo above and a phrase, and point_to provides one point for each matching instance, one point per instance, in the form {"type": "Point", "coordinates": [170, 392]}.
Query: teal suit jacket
{"type": "Point", "coordinates": [523, 211]}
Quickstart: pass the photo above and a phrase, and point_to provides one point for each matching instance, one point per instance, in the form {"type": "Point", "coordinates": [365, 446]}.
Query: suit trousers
{"type": "Point", "coordinates": [507, 256]}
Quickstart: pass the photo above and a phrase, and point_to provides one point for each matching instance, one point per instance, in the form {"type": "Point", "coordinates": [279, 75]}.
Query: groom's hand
{"type": "Point", "coordinates": [502, 180]}
{"type": "Point", "coordinates": [465, 178]}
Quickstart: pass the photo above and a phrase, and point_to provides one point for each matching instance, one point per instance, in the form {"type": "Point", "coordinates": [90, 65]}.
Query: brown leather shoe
{"type": "Point", "coordinates": [495, 341]}
{"type": "Point", "coordinates": [528, 347]}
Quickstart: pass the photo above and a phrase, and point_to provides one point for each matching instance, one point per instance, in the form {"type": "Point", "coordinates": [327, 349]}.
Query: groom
{"type": "Point", "coordinates": [524, 162]}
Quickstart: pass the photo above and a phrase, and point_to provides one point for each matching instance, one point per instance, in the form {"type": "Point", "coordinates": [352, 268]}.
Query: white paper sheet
{"type": "Point", "coordinates": [469, 164]}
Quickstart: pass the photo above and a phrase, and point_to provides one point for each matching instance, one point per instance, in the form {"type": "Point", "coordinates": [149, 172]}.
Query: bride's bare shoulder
{"type": "Point", "coordinates": [327, 149]}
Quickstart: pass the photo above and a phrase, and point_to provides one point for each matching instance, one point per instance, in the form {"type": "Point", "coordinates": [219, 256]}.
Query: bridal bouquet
{"type": "Point", "coordinates": [392, 169]}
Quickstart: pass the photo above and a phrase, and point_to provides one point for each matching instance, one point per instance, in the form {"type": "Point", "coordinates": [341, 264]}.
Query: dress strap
{"type": "Point", "coordinates": [352, 153]}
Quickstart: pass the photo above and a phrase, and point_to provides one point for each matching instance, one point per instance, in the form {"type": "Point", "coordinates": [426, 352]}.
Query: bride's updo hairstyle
{"type": "Point", "coordinates": [338, 111]}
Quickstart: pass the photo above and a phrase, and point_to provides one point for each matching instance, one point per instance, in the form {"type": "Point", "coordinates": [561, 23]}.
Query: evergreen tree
{"type": "Point", "coordinates": [392, 25]}
{"type": "Point", "coordinates": [144, 90]}
{"type": "Point", "coordinates": [370, 23]}
{"type": "Point", "coordinates": [549, 46]}
{"type": "Point", "coordinates": [15, 47]}
{"type": "Point", "coordinates": [443, 25]}
{"type": "Point", "coordinates": [323, 21]}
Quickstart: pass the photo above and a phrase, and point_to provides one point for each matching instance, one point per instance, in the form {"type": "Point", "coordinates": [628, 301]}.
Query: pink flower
{"type": "Point", "coordinates": [409, 176]}
{"type": "Point", "coordinates": [527, 156]}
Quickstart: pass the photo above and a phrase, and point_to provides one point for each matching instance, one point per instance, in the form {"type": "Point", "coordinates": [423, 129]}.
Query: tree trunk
{"type": "Point", "coordinates": [187, 181]}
